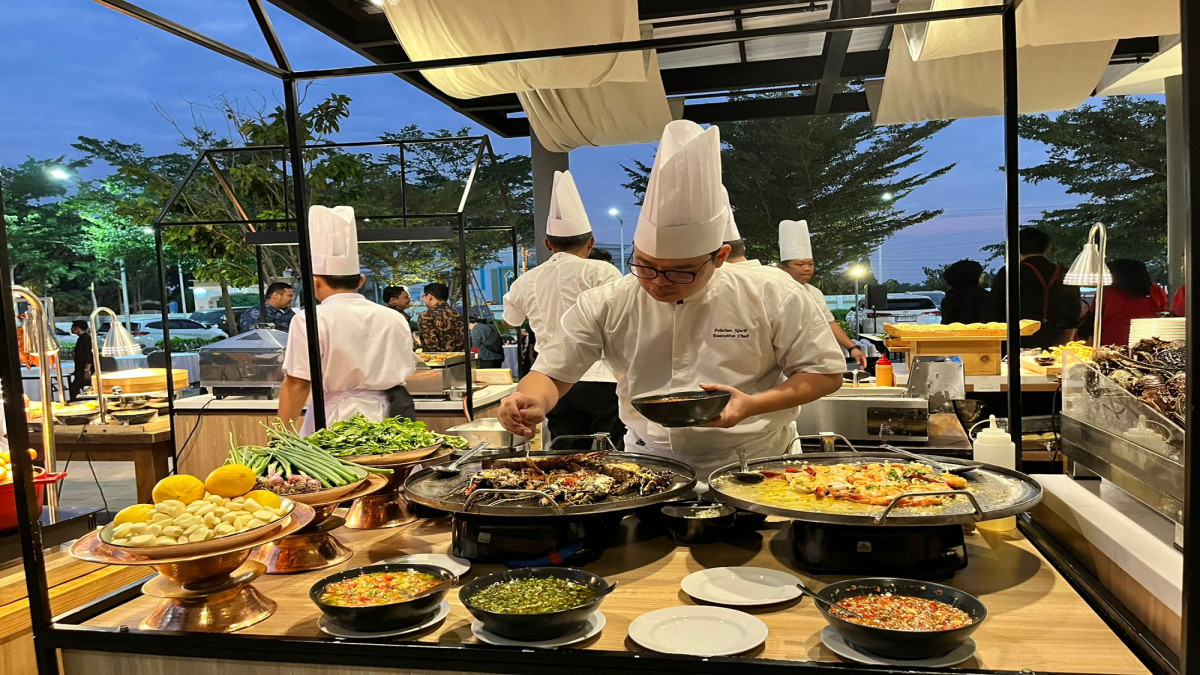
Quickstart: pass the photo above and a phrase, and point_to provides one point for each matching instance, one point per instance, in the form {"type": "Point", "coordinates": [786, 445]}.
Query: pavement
{"type": "Point", "coordinates": [113, 482]}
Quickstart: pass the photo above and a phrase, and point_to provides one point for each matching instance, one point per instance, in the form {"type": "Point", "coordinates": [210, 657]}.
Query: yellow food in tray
{"type": "Point", "coordinates": [1078, 348]}
{"type": "Point", "coordinates": [933, 330]}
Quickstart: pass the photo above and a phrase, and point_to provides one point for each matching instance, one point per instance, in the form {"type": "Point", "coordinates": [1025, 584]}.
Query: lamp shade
{"type": "Point", "coordinates": [33, 339]}
{"type": "Point", "coordinates": [1088, 269]}
{"type": "Point", "coordinates": [119, 342]}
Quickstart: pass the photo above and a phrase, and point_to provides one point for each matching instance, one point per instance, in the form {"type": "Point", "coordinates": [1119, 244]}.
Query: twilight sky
{"type": "Point", "coordinates": [72, 68]}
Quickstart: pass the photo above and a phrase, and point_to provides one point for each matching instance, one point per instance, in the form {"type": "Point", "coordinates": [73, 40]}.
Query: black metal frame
{"type": "Point", "coordinates": [64, 632]}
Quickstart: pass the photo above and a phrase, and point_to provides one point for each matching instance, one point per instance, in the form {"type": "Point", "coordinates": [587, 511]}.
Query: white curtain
{"type": "Point", "coordinates": [436, 29]}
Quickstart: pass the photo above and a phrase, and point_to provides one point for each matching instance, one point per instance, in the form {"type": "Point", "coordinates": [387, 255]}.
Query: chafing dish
{"type": "Point", "coordinates": [867, 418]}
{"type": "Point", "coordinates": [433, 379]}
{"type": "Point", "coordinates": [250, 364]}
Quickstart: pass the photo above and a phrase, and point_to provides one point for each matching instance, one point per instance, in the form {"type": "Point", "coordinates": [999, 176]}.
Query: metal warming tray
{"type": "Point", "coordinates": [246, 364]}
{"type": "Point", "coordinates": [997, 491]}
{"type": "Point", "coordinates": [429, 488]}
{"type": "Point", "coordinates": [862, 418]}
{"type": "Point", "coordinates": [435, 380]}
{"type": "Point", "coordinates": [488, 430]}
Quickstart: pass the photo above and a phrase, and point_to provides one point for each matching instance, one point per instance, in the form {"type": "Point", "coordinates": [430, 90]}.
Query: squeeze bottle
{"type": "Point", "coordinates": [994, 446]}
{"type": "Point", "coordinates": [884, 375]}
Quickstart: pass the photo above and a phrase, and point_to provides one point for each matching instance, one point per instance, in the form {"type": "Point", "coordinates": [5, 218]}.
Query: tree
{"type": "Point", "coordinates": [841, 174]}
{"type": "Point", "coordinates": [1114, 156]}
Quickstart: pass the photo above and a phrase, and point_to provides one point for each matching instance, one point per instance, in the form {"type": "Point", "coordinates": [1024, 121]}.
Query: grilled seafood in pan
{"type": "Point", "coordinates": [583, 478]}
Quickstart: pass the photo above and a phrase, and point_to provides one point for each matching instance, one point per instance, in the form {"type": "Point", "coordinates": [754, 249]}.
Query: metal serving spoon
{"type": "Point", "coordinates": [745, 474]}
{"type": "Point", "coordinates": [452, 469]}
{"type": "Point", "coordinates": [956, 469]}
{"type": "Point", "coordinates": [828, 604]}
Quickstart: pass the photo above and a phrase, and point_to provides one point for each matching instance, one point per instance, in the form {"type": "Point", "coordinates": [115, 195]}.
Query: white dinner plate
{"type": "Point", "coordinates": [741, 586]}
{"type": "Point", "coordinates": [838, 645]}
{"type": "Point", "coordinates": [698, 631]}
{"type": "Point", "coordinates": [459, 567]}
{"type": "Point", "coordinates": [594, 625]}
{"type": "Point", "coordinates": [331, 628]}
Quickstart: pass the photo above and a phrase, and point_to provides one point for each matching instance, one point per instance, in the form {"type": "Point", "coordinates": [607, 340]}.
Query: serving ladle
{"type": "Point", "coordinates": [745, 475]}
{"type": "Point", "coordinates": [828, 604]}
{"type": "Point", "coordinates": [453, 469]}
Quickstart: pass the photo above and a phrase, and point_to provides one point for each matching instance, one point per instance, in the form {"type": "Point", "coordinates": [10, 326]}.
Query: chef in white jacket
{"type": "Point", "coordinates": [796, 258]}
{"type": "Point", "coordinates": [682, 321]}
{"type": "Point", "coordinates": [733, 238]}
{"type": "Point", "coordinates": [366, 349]}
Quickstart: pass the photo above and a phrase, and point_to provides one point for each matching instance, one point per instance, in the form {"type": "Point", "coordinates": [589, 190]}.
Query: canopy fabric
{"type": "Point", "coordinates": [437, 29]}
{"type": "Point", "coordinates": [1039, 23]}
{"type": "Point", "coordinates": [1144, 78]}
{"type": "Point", "coordinates": [613, 113]}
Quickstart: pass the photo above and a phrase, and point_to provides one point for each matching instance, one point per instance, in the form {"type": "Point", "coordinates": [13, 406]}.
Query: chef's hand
{"type": "Point", "coordinates": [520, 412]}
{"type": "Point", "coordinates": [860, 357]}
{"type": "Point", "coordinates": [738, 409]}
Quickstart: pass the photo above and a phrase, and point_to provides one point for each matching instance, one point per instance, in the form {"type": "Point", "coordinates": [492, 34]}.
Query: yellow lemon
{"type": "Point", "coordinates": [186, 489]}
{"type": "Point", "coordinates": [265, 498]}
{"type": "Point", "coordinates": [231, 480]}
{"type": "Point", "coordinates": [138, 513]}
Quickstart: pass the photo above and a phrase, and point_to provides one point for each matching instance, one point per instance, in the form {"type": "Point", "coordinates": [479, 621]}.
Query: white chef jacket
{"type": "Point", "coordinates": [365, 349]}
{"type": "Point", "coordinates": [545, 293]}
{"type": "Point", "coordinates": [819, 298]}
{"type": "Point", "coordinates": [744, 330]}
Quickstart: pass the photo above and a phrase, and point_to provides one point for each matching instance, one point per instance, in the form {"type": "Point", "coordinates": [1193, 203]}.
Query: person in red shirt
{"type": "Point", "coordinates": [1179, 302]}
{"type": "Point", "coordinates": [1132, 296]}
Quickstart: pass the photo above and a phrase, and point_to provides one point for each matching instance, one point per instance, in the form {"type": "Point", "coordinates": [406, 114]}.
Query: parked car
{"type": "Point", "coordinates": [216, 318]}
{"type": "Point", "coordinates": [902, 308]}
{"type": "Point", "coordinates": [183, 328]}
{"type": "Point", "coordinates": [935, 296]}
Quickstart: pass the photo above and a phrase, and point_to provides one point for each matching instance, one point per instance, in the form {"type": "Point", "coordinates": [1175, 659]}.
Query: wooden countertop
{"type": "Point", "coordinates": [1035, 620]}
{"type": "Point", "coordinates": [157, 430]}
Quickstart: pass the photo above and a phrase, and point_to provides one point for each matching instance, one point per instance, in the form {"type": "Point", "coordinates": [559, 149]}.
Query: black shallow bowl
{"type": "Point", "coordinates": [382, 617]}
{"type": "Point", "coordinates": [902, 644]}
{"type": "Point", "coordinates": [682, 409]}
{"type": "Point", "coordinates": [533, 627]}
{"type": "Point", "coordinates": [684, 524]}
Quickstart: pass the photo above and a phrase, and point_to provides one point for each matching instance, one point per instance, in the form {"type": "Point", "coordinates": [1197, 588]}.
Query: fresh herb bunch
{"type": "Point", "coordinates": [290, 464]}
{"type": "Point", "coordinates": [360, 436]}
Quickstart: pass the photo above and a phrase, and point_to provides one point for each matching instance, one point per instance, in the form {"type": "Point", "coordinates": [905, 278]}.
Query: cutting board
{"type": "Point", "coordinates": [1030, 365]}
{"type": "Point", "coordinates": [143, 380]}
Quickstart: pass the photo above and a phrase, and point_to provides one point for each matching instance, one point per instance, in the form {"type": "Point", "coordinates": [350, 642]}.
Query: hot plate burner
{"type": "Point", "coordinates": [919, 552]}
{"type": "Point", "coordinates": [534, 541]}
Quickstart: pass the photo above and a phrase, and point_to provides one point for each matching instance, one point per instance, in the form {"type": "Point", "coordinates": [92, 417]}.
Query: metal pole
{"type": "Point", "coordinates": [621, 225]}
{"type": "Point", "coordinates": [857, 311]}
{"type": "Point", "coordinates": [182, 291]}
{"type": "Point", "coordinates": [125, 296]}
{"type": "Point", "coordinates": [296, 142]}
{"type": "Point", "coordinates": [1190, 34]}
{"type": "Point", "coordinates": [262, 286]}
{"type": "Point", "coordinates": [161, 260]}
{"type": "Point", "coordinates": [465, 276]}
{"type": "Point", "coordinates": [39, 334]}
{"type": "Point", "coordinates": [516, 262]}
{"type": "Point", "coordinates": [1012, 222]}
{"type": "Point", "coordinates": [28, 523]}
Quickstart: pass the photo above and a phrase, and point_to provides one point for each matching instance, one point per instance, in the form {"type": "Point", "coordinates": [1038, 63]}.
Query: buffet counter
{"type": "Point", "coordinates": [203, 423]}
{"type": "Point", "coordinates": [1036, 621]}
{"type": "Point", "coordinates": [981, 383]}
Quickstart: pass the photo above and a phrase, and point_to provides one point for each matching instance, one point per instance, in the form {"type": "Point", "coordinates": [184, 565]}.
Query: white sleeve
{"type": "Point", "coordinates": [514, 311]}
{"type": "Point", "coordinates": [802, 339]}
{"type": "Point", "coordinates": [295, 355]}
{"type": "Point", "coordinates": [818, 297]}
{"type": "Point", "coordinates": [582, 344]}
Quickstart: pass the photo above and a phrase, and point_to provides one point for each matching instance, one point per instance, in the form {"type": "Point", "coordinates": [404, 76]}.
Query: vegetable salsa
{"type": "Point", "coordinates": [532, 596]}
{"type": "Point", "coordinates": [377, 588]}
{"type": "Point", "coordinates": [904, 612]}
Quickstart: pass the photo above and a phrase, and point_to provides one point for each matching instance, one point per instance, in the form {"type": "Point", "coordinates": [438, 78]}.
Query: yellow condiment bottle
{"type": "Point", "coordinates": [884, 375]}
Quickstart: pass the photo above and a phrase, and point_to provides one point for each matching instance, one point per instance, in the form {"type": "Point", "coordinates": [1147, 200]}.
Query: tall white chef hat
{"type": "Point", "coordinates": [731, 229]}
{"type": "Point", "coordinates": [567, 217]}
{"type": "Point", "coordinates": [334, 240]}
{"type": "Point", "coordinates": [683, 215]}
{"type": "Point", "coordinates": [794, 243]}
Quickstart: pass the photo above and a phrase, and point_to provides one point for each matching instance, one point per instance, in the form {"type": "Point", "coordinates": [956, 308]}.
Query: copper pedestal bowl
{"type": "Point", "coordinates": [390, 507]}
{"type": "Point", "coordinates": [207, 591]}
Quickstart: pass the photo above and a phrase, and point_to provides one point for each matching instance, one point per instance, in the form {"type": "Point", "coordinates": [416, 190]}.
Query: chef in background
{"type": "Point", "coordinates": [796, 258]}
{"type": "Point", "coordinates": [683, 321]}
{"type": "Point", "coordinates": [733, 238]}
{"type": "Point", "coordinates": [366, 349]}
{"type": "Point", "coordinates": [545, 293]}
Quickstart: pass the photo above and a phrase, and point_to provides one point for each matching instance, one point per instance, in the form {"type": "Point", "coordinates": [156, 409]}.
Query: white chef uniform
{"type": "Point", "coordinates": [795, 244]}
{"type": "Point", "coordinates": [745, 330]}
{"type": "Point", "coordinates": [733, 234]}
{"type": "Point", "coordinates": [366, 348]}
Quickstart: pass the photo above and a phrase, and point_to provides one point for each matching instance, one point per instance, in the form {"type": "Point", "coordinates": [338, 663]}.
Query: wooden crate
{"type": "Point", "coordinates": [143, 380]}
{"type": "Point", "coordinates": [980, 356]}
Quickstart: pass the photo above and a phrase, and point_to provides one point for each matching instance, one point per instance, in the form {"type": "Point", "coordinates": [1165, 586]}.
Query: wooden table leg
{"type": "Point", "coordinates": [149, 466]}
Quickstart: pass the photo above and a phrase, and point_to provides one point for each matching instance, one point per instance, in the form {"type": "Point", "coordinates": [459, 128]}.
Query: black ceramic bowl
{"type": "Point", "coordinates": [382, 617]}
{"type": "Point", "coordinates": [902, 644]}
{"type": "Point", "coordinates": [133, 416]}
{"type": "Point", "coordinates": [533, 627]}
{"type": "Point", "coordinates": [682, 409]}
{"type": "Point", "coordinates": [698, 522]}
{"type": "Point", "coordinates": [77, 418]}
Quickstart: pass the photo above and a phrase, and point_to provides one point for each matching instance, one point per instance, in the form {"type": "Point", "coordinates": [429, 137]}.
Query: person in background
{"type": "Point", "coordinates": [82, 377]}
{"type": "Point", "coordinates": [398, 298]}
{"type": "Point", "coordinates": [796, 258]}
{"type": "Point", "coordinates": [278, 306]}
{"type": "Point", "coordinates": [967, 301]}
{"type": "Point", "coordinates": [1044, 297]}
{"type": "Point", "coordinates": [1179, 302]}
{"type": "Point", "coordinates": [1132, 295]}
{"type": "Point", "coordinates": [486, 339]}
{"type": "Point", "coordinates": [600, 254]}
{"type": "Point", "coordinates": [439, 326]}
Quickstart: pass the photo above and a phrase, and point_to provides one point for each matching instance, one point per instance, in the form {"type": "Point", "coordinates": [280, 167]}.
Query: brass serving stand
{"type": "Point", "coordinates": [208, 592]}
{"type": "Point", "coordinates": [314, 547]}
{"type": "Point", "coordinates": [390, 507]}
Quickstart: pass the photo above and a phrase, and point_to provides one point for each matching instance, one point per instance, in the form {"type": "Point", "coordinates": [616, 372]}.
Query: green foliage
{"type": "Point", "coordinates": [179, 344]}
{"type": "Point", "coordinates": [933, 278]}
{"type": "Point", "coordinates": [1114, 156]}
{"type": "Point", "coordinates": [829, 170]}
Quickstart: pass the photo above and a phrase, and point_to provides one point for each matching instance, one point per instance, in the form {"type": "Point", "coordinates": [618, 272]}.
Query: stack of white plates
{"type": "Point", "coordinates": [1169, 329]}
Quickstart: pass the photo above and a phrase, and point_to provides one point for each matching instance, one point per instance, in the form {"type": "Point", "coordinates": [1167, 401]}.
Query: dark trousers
{"type": "Point", "coordinates": [491, 363]}
{"type": "Point", "coordinates": [588, 408]}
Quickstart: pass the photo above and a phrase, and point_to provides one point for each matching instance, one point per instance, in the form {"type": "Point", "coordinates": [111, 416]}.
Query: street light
{"type": "Point", "coordinates": [617, 214]}
{"type": "Point", "coordinates": [59, 173]}
{"type": "Point", "coordinates": [858, 272]}
{"type": "Point", "coordinates": [887, 196]}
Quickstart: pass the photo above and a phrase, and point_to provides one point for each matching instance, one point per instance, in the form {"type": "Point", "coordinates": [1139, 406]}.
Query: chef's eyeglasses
{"type": "Point", "coordinates": [681, 277]}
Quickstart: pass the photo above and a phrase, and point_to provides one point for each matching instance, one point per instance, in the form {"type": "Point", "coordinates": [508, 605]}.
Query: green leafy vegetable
{"type": "Point", "coordinates": [360, 436]}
